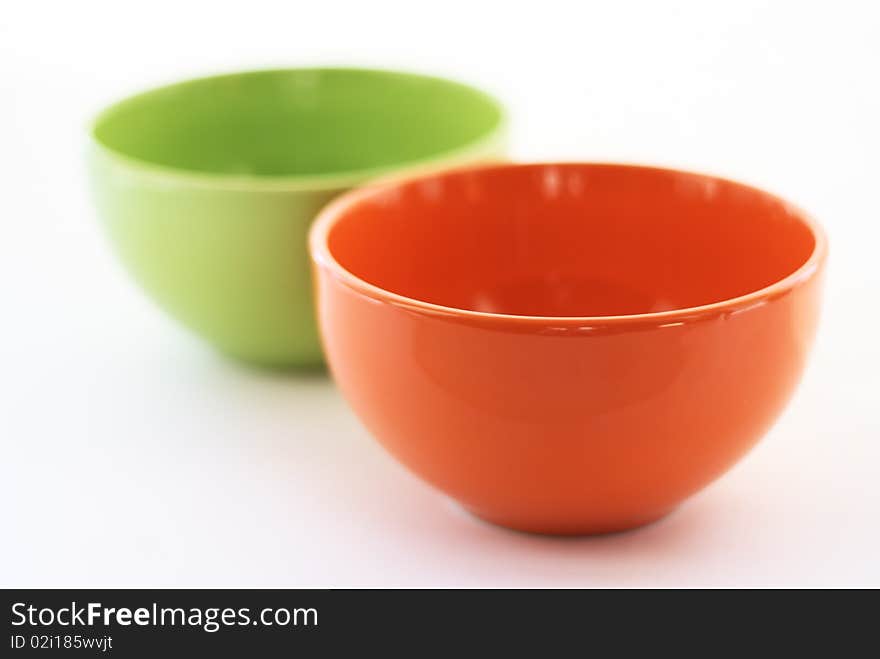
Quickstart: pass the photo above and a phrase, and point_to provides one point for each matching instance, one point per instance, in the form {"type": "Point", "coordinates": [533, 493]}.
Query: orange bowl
{"type": "Point", "coordinates": [567, 348]}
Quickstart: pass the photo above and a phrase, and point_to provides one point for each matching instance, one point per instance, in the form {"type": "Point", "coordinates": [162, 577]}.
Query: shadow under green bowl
{"type": "Point", "coordinates": [207, 188]}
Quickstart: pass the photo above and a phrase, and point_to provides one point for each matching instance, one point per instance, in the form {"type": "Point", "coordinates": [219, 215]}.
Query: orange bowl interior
{"type": "Point", "coordinates": [571, 240]}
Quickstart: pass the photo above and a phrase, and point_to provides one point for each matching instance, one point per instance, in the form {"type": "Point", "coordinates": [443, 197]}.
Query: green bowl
{"type": "Point", "coordinates": [207, 188]}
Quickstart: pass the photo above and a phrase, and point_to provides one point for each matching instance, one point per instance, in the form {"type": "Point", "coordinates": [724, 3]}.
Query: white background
{"type": "Point", "coordinates": [130, 454]}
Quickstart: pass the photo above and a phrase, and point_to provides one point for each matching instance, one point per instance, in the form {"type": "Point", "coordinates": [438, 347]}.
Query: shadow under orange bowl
{"type": "Point", "coordinates": [567, 348]}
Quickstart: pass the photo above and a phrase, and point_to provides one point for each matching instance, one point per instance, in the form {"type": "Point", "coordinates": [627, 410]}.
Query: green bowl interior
{"type": "Point", "coordinates": [298, 122]}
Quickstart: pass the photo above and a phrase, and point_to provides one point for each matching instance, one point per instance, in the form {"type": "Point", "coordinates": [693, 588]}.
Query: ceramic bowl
{"type": "Point", "coordinates": [567, 348]}
{"type": "Point", "coordinates": [207, 188]}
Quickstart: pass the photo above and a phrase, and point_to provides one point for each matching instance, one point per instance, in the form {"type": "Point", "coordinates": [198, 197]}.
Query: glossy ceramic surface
{"type": "Point", "coordinates": [207, 188]}
{"type": "Point", "coordinates": [567, 348]}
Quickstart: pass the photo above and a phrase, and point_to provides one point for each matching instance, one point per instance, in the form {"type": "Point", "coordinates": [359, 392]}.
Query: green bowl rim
{"type": "Point", "coordinates": [330, 181]}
